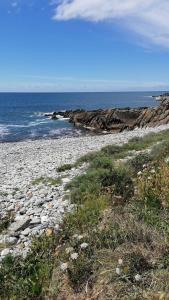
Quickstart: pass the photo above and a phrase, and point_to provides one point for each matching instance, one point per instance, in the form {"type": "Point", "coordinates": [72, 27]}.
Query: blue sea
{"type": "Point", "coordinates": [21, 114]}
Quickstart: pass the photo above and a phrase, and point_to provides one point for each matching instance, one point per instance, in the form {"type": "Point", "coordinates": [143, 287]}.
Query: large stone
{"type": "Point", "coordinates": [19, 225]}
{"type": "Point", "coordinates": [5, 252]}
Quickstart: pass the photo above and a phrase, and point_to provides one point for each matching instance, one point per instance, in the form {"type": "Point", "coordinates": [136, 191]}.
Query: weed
{"type": "Point", "coordinates": [47, 180]}
{"type": "Point", "coordinates": [64, 168]}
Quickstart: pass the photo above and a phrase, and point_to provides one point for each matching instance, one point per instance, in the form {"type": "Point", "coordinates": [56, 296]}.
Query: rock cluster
{"type": "Point", "coordinates": [152, 117]}
{"type": "Point", "coordinates": [118, 120]}
{"type": "Point", "coordinates": [36, 208]}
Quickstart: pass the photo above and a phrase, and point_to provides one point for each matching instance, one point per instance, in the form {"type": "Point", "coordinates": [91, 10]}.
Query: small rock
{"type": "Point", "coordinates": [26, 231]}
{"type": "Point", "coordinates": [5, 252]}
{"type": "Point", "coordinates": [44, 219]}
{"type": "Point", "coordinates": [19, 225]}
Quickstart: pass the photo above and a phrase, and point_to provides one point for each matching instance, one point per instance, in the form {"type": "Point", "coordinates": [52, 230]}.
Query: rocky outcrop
{"type": "Point", "coordinates": [157, 116]}
{"type": "Point", "coordinates": [117, 120]}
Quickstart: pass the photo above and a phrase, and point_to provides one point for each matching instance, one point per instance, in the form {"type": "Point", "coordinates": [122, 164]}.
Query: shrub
{"type": "Point", "coordinates": [4, 222]}
{"type": "Point", "coordinates": [27, 278]}
{"type": "Point", "coordinates": [101, 162]}
{"type": "Point", "coordinates": [80, 272]}
{"type": "Point", "coordinates": [136, 164]}
{"type": "Point", "coordinates": [64, 168]}
{"type": "Point", "coordinates": [85, 216]}
{"type": "Point", "coordinates": [111, 149]}
{"type": "Point", "coordinates": [153, 187]}
{"type": "Point", "coordinates": [160, 151]}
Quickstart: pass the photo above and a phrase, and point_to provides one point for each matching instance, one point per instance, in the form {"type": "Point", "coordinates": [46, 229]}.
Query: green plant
{"type": "Point", "coordinates": [47, 180]}
{"type": "Point", "coordinates": [137, 163]}
{"type": "Point", "coordinates": [28, 278]}
{"type": "Point", "coordinates": [64, 168]}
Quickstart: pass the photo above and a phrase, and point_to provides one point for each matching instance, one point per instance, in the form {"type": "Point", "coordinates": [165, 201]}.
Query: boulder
{"type": "Point", "coordinates": [116, 119]}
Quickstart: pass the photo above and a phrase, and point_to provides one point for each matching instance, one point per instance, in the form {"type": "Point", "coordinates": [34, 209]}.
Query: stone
{"type": "Point", "coordinates": [21, 224]}
{"type": "Point", "coordinates": [44, 219]}
{"type": "Point", "coordinates": [35, 221]}
{"type": "Point", "coordinates": [5, 252]}
{"type": "Point", "coordinates": [11, 240]}
{"type": "Point", "coordinates": [26, 231]}
{"type": "Point", "coordinates": [66, 180]}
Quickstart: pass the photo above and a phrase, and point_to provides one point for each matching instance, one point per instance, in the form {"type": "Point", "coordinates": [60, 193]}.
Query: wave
{"type": "Point", "coordinates": [30, 124]}
{"type": "Point", "coordinates": [3, 130]}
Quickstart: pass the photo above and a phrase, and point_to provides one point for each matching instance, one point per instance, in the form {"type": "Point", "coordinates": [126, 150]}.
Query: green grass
{"type": "Point", "coordinates": [47, 180]}
{"type": "Point", "coordinates": [135, 144]}
{"type": "Point", "coordinates": [28, 278]}
{"type": "Point", "coordinates": [5, 222]}
{"type": "Point", "coordinates": [64, 168]}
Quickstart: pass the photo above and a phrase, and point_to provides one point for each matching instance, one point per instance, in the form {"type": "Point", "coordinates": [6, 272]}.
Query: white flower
{"type": "Point", "coordinates": [137, 277]}
{"type": "Point", "coordinates": [69, 250]}
{"type": "Point", "coordinates": [74, 256]}
{"type": "Point", "coordinates": [80, 237]}
{"type": "Point", "coordinates": [153, 171]}
{"type": "Point", "coordinates": [120, 261]}
{"type": "Point", "coordinates": [75, 236]}
{"type": "Point", "coordinates": [139, 173]}
{"type": "Point", "coordinates": [118, 271]}
{"type": "Point", "coordinates": [84, 245]}
{"type": "Point", "coordinates": [64, 266]}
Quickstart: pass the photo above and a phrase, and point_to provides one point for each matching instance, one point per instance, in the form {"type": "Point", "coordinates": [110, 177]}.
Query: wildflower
{"type": "Point", "coordinates": [75, 236]}
{"type": "Point", "coordinates": [74, 256]}
{"type": "Point", "coordinates": [80, 237]}
{"type": "Point", "coordinates": [139, 173]}
{"type": "Point", "coordinates": [137, 277]}
{"type": "Point", "coordinates": [152, 171]}
{"type": "Point", "coordinates": [118, 271]}
{"type": "Point", "coordinates": [64, 266]}
{"type": "Point", "coordinates": [69, 250]}
{"type": "Point", "coordinates": [120, 261]}
{"type": "Point", "coordinates": [84, 245]}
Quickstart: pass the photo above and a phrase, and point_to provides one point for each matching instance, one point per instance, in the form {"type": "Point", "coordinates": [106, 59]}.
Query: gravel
{"type": "Point", "coordinates": [38, 207]}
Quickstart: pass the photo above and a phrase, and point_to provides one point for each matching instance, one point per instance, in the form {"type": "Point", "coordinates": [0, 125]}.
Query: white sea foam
{"type": "Point", "coordinates": [3, 130]}
{"type": "Point", "coordinates": [30, 124]}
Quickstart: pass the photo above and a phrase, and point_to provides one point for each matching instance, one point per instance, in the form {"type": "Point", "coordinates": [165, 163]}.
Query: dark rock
{"type": "Point", "coordinates": [116, 119]}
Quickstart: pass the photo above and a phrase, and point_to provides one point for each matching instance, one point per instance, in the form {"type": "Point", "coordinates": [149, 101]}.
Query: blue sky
{"type": "Point", "coordinates": [82, 45]}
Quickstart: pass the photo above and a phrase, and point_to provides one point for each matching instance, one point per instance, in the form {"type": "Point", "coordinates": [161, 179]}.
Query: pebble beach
{"type": "Point", "coordinates": [38, 207]}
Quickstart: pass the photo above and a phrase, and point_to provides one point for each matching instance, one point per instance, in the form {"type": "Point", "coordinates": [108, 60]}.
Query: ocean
{"type": "Point", "coordinates": [21, 114]}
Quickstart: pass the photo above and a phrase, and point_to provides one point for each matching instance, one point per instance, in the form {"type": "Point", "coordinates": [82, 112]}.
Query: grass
{"type": "Point", "coordinates": [121, 216]}
{"type": "Point", "coordinates": [64, 168]}
{"type": "Point", "coordinates": [4, 222]}
{"type": "Point", "coordinates": [47, 180]}
{"type": "Point", "coordinates": [29, 277]}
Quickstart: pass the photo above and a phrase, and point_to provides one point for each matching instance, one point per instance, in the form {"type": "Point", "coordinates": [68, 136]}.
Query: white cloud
{"type": "Point", "coordinates": [148, 18]}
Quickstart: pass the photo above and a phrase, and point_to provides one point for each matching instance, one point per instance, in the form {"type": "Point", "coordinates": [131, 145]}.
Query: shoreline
{"type": "Point", "coordinates": [27, 154]}
{"type": "Point", "coordinates": [33, 189]}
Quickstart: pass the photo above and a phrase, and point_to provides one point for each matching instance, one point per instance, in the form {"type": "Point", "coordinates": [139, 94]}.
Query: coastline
{"type": "Point", "coordinates": [33, 189]}
{"type": "Point", "coordinates": [27, 160]}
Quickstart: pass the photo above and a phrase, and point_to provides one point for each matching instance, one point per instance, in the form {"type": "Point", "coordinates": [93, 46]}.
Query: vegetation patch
{"type": "Point", "coordinates": [115, 243]}
{"type": "Point", "coordinates": [47, 180]}
{"type": "Point", "coordinates": [64, 168]}
{"type": "Point", "coordinates": [6, 221]}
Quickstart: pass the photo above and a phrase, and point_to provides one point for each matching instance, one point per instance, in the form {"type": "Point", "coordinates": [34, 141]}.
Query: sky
{"type": "Point", "coordinates": [84, 45]}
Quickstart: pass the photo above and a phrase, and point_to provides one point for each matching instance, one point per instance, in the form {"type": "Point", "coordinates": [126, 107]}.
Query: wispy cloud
{"type": "Point", "coordinates": [148, 18]}
{"type": "Point", "coordinates": [44, 83]}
